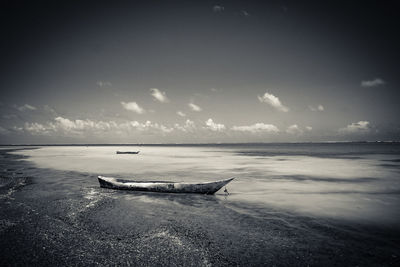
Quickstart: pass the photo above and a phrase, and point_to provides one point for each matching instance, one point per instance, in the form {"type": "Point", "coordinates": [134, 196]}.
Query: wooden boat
{"type": "Point", "coordinates": [128, 152]}
{"type": "Point", "coordinates": [208, 188]}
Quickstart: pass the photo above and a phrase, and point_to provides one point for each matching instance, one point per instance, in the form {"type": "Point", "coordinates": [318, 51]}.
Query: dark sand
{"type": "Point", "coordinates": [47, 222]}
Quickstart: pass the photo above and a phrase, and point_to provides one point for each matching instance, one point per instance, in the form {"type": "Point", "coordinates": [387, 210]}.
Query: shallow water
{"type": "Point", "coordinates": [359, 182]}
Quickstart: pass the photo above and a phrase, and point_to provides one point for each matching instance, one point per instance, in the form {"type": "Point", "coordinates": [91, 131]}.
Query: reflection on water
{"type": "Point", "coordinates": [336, 180]}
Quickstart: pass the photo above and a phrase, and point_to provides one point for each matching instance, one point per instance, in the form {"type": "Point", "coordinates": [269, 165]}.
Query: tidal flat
{"type": "Point", "coordinates": [60, 216]}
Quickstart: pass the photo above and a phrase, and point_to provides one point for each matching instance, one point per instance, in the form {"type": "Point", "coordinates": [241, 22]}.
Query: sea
{"type": "Point", "coordinates": [357, 182]}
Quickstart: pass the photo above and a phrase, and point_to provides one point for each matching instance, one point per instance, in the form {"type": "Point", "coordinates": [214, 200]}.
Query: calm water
{"type": "Point", "coordinates": [345, 181]}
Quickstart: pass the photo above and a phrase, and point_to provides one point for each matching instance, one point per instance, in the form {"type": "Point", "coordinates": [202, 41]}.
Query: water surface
{"type": "Point", "coordinates": [351, 181]}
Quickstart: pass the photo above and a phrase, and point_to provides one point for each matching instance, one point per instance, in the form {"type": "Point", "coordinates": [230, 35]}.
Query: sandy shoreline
{"type": "Point", "coordinates": [65, 224]}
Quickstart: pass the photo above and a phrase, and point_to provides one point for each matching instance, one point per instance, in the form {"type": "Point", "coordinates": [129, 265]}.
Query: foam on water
{"type": "Point", "coordinates": [337, 181]}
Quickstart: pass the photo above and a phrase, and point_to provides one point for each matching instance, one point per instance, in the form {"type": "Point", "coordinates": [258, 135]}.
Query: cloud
{"type": "Point", "coordinates": [163, 128]}
{"type": "Point", "coordinates": [148, 125]}
{"type": "Point", "coordinates": [49, 110]}
{"type": "Point", "coordinates": [294, 129]}
{"type": "Point", "coordinates": [158, 95]}
{"type": "Point", "coordinates": [216, 127]}
{"type": "Point", "coordinates": [180, 113]}
{"type": "Point", "coordinates": [318, 108]}
{"type": "Point", "coordinates": [65, 126]}
{"type": "Point", "coordinates": [356, 127]}
{"type": "Point", "coordinates": [257, 128]}
{"type": "Point", "coordinates": [39, 129]}
{"type": "Point", "coordinates": [244, 13]}
{"type": "Point", "coordinates": [25, 107]}
{"type": "Point", "coordinates": [373, 83]}
{"type": "Point", "coordinates": [4, 131]}
{"type": "Point", "coordinates": [273, 101]}
{"type": "Point", "coordinates": [73, 125]}
{"type": "Point", "coordinates": [133, 106]}
{"type": "Point", "coordinates": [103, 84]}
{"type": "Point", "coordinates": [194, 107]}
{"type": "Point", "coordinates": [218, 8]}
{"type": "Point", "coordinates": [308, 128]}
{"type": "Point", "coordinates": [189, 126]}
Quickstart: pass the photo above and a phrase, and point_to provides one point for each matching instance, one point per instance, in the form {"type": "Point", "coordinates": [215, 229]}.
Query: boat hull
{"type": "Point", "coordinates": [208, 188]}
{"type": "Point", "coordinates": [128, 152]}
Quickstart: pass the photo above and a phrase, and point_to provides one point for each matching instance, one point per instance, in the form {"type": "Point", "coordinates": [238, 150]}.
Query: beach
{"type": "Point", "coordinates": [58, 215]}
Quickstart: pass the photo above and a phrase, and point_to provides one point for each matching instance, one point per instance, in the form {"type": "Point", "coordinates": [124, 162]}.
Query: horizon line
{"type": "Point", "coordinates": [197, 144]}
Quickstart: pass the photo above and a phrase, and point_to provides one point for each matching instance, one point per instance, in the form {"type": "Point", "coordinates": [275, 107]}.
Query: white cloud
{"type": "Point", "coordinates": [163, 128]}
{"type": "Point", "coordinates": [25, 107]}
{"type": "Point", "coordinates": [78, 125]}
{"type": "Point", "coordinates": [194, 107]}
{"type": "Point", "coordinates": [65, 126]}
{"type": "Point", "coordinates": [294, 129]}
{"type": "Point", "coordinates": [146, 126]}
{"type": "Point", "coordinates": [158, 95]}
{"type": "Point", "coordinates": [273, 101]}
{"type": "Point", "coordinates": [103, 84]}
{"type": "Point", "coordinates": [308, 128]}
{"type": "Point", "coordinates": [218, 8]}
{"type": "Point", "coordinates": [356, 127]}
{"type": "Point", "coordinates": [211, 125]}
{"type": "Point", "coordinates": [373, 83]}
{"type": "Point", "coordinates": [189, 126]}
{"type": "Point", "coordinates": [257, 128]}
{"type": "Point", "coordinates": [180, 113]}
{"type": "Point", "coordinates": [318, 108]}
{"type": "Point", "coordinates": [133, 106]}
{"type": "Point", "coordinates": [39, 129]}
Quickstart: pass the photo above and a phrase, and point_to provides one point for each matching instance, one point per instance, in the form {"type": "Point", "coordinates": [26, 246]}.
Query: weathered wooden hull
{"type": "Point", "coordinates": [208, 188]}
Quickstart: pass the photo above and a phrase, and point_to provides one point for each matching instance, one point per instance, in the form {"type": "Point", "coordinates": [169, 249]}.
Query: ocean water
{"type": "Point", "coordinates": [347, 181]}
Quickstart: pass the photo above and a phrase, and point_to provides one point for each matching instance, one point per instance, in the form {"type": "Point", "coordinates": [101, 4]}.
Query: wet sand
{"type": "Point", "coordinates": [71, 221]}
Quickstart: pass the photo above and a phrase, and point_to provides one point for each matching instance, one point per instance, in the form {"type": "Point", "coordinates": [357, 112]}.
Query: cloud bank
{"type": "Point", "coordinates": [65, 126]}
{"type": "Point", "coordinates": [257, 128]}
{"type": "Point", "coordinates": [189, 126]}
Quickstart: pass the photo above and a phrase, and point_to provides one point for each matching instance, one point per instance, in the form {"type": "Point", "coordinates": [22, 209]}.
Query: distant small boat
{"type": "Point", "coordinates": [128, 152]}
{"type": "Point", "coordinates": [207, 188]}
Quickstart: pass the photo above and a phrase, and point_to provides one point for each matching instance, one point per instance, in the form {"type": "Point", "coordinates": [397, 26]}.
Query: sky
{"type": "Point", "coordinates": [198, 71]}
